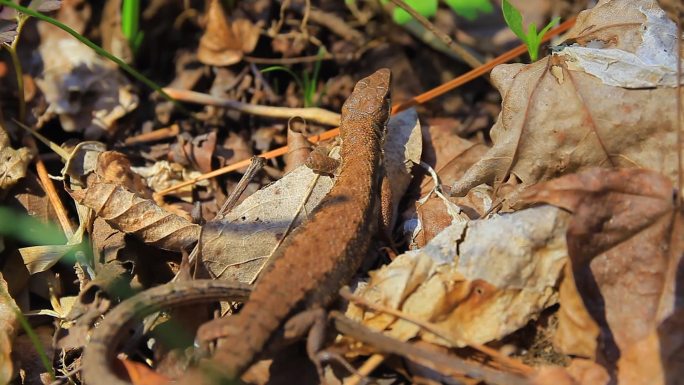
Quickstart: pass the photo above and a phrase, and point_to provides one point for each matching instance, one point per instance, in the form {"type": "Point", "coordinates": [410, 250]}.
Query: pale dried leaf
{"type": "Point", "coordinates": [13, 163]}
{"type": "Point", "coordinates": [10, 324]}
{"type": "Point", "coordinates": [557, 119]}
{"type": "Point", "coordinates": [504, 276]}
{"type": "Point", "coordinates": [86, 92]}
{"type": "Point", "coordinates": [620, 54]}
{"type": "Point", "coordinates": [237, 247]}
{"type": "Point", "coordinates": [162, 175]}
{"type": "Point", "coordinates": [131, 214]}
{"type": "Point", "coordinates": [41, 258]}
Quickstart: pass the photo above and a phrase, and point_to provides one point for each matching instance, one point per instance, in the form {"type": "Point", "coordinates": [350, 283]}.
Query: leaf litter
{"type": "Point", "coordinates": [566, 223]}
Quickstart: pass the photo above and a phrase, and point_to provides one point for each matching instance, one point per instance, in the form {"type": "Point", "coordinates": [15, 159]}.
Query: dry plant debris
{"type": "Point", "coordinates": [529, 233]}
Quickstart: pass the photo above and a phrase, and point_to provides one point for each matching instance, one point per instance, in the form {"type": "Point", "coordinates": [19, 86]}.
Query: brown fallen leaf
{"type": "Point", "coordinates": [562, 114]}
{"type": "Point", "coordinates": [224, 42]}
{"type": "Point", "coordinates": [127, 212]}
{"type": "Point", "coordinates": [625, 243]}
{"type": "Point", "coordinates": [657, 357]}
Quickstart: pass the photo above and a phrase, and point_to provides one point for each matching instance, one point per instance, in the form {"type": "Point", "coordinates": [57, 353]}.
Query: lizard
{"type": "Point", "coordinates": [322, 254]}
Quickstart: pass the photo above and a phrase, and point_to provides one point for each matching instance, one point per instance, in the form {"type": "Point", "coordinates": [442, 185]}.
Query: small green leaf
{"type": "Point", "coordinates": [427, 8]}
{"type": "Point", "coordinates": [549, 26]}
{"type": "Point", "coordinates": [513, 19]}
{"type": "Point", "coordinates": [470, 9]}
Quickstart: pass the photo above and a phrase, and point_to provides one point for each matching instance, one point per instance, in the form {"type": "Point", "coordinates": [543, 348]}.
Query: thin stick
{"type": "Point", "coordinates": [366, 369]}
{"type": "Point", "coordinates": [51, 192]}
{"type": "Point", "coordinates": [255, 165]}
{"type": "Point", "coordinates": [420, 99]}
{"type": "Point", "coordinates": [421, 355]}
{"type": "Point", "coordinates": [346, 294]}
{"type": "Point", "coordinates": [314, 114]}
{"type": "Point", "coordinates": [243, 163]}
{"type": "Point", "coordinates": [463, 53]}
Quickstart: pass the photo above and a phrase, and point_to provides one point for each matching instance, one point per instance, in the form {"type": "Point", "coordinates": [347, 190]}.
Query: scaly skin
{"type": "Point", "coordinates": [325, 251]}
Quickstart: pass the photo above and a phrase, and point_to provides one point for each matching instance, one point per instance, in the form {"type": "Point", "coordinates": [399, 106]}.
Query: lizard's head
{"type": "Point", "coordinates": [370, 101]}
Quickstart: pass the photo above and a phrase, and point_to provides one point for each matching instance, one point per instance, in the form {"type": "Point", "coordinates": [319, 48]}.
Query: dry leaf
{"type": "Point", "coordinates": [162, 175]}
{"type": "Point", "coordinates": [10, 324]}
{"type": "Point", "coordinates": [236, 247]}
{"type": "Point", "coordinates": [13, 163]}
{"type": "Point", "coordinates": [477, 282]}
{"type": "Point", "coordinates": [558, 119]}
{"type": "Point", "coordinates": [658, 357]}
{"type": "Point", "coordinates": [131, 214]}
{"type": "Point", "coordinates": [86, 92]}
{"type": "Point", "coordinates": [224, 42]}
{"type": "Point", "coordinates": [450, 156]}
{"type": "Point", "coordinates": [625, 243]}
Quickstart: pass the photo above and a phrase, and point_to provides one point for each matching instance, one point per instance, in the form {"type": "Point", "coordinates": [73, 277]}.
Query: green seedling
{"type": "Point", "coordinates": [130, 23]}
{"type": "Point", "coordinates": [469, 9]}
{"type": "Point", "coordinates": [307, 82]}
{"type": "Point", "coordinates": [532, 39]}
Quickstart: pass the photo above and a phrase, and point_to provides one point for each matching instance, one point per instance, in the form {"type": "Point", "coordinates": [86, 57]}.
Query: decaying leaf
{"type": "Point", "coordinates": [558, 117]}
{"type": "Point", "coordinates": [13, 163]}
{"type": "Point", "coordinates": [236, 247]}
{"type": "Point", "coordinates": [131, 214]}
{"type": "Point", "coordinates": [224, 42]}
{"type": "Point", "coordinates": [625, 242]}
{"type": "Point", "coordinates": [476, 281]}
{"type": "Point", "coordinates": [86, 92]}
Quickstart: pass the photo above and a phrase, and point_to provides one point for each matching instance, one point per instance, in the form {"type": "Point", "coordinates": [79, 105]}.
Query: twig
{"type": "Point", "coordinates": [153, 136]}
{"type": "Point", "coordinates": [422, 356]}
{"type": "Point", "coordinates": [420, 99]}
{"type": "Point", "coordinates": [244, 163]}
{"type": "Point", "coordinates": [371, 364]}
{"type": "Point", "coordinates": [255, 165]}
{"type": "Point", "coordinates": [318, 115]}
{"type": "Point", "coordinates": [51, 192]}
{"type": "Point", "coordinates": [463, 53]}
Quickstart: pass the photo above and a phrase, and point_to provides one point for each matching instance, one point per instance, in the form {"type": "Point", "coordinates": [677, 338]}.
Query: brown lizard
{"type": "Point", "coordinates": [322, 254]}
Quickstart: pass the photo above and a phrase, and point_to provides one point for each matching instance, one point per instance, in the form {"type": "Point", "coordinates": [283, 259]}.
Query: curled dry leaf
{"type": "Point", "coordinates": [131, 214]}
{"type": "Point", "coordinates": [224, 41]}
{"type": "Point", "coordinates": [625, 242]}
{"type": "Point", "coordinates": [477, 281]}
{"type": "Point", "coordinates": [559, 117]}
{"type": "Point", "coordinates": [449, 156]}
{"type": "Point", "coordinates": [86, 92]}
{"type": "Point", "coordinates": [237, 247]}
{"type": "Point", "coordinates": [13, 163]}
